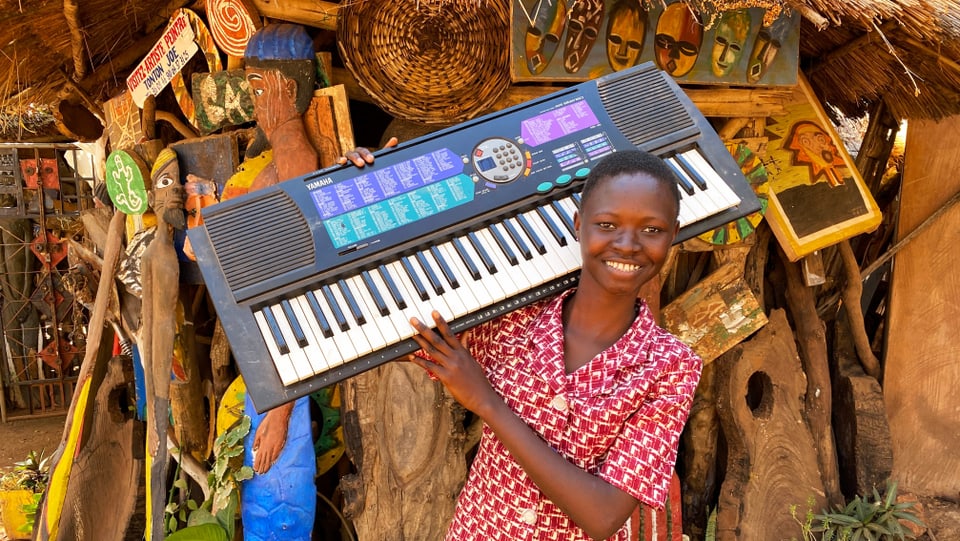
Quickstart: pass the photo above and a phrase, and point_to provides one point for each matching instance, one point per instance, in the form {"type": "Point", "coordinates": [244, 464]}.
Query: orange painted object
{"type": "Point", "coordinates": [49, 249]}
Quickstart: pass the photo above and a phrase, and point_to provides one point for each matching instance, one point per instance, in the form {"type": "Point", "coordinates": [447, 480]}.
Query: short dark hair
{"type": "Point", "coordinates": [627, 162]}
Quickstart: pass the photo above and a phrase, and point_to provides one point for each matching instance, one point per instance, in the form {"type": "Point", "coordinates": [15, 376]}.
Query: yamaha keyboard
{"type": "Point", "coordinates": [315, 279]}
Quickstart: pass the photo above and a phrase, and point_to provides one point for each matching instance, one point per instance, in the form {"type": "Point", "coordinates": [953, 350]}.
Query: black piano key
{"type": "Point", "coordinates": [691, 169]}
{"type": "Point", "coordinates": [298, 333]}
{"type": "Point", "coordinates": [484, 256]}
{"type": "Point", "coordinates": [375, 293]}
{"type": "Point", "coordinates": [318, 314]}
{"type": "Point", "coordinates": [338, 316]}
{"type": "Point", "coordinates": [576, 198]}
{"type": "Point", "coordinates": [538, 244]}
{"type": "Point", "coordinates": [517, 239]}
{"type": "Point", "coordinates": [445, 268]}
{"type": "Point", "coordinates": [352, 304]}
{"type": "Point", "coordinates": [414, 279]}
{"type": "Point", "coordinates": [392, 286]}
{"type": "Point", "coordinates": [467, 260]}
{"type": "Point", "coordinates": [567, 220]}
{"type": "Point", "coordinates": [430, 273]}
{"type": "Point", "coordinates": [552, 226]}
{"type": "Point", "coordinates": [275, 331]}
{"type": "Point", "coordinates": [503, 245]}
{"type": "Point", "coordinates": [685, 183]}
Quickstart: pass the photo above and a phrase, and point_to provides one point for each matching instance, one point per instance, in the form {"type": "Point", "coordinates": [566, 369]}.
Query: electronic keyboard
{"type": "Point", "coordinates": [315, 279]}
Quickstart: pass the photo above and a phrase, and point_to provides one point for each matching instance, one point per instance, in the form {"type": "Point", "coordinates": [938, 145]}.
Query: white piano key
{"type": "Point", "coordinates": [378, 327]}
{"type": "Point", "coordinates": [298, 358]}
{"type": "Point", "coordinates": [468, 289]}
{"type": "Point", "coordinates": [415, 306]}
{"type": "Point", "coordinates": [397, 315]}
{"type": "Point", "coordinates": [722, 195]}
{"type": "Point", "coordinates": [450, 296]}
{"type": "Point", "coordinates": [434, 302]}
{"type": "Point", "coordinates": [355, 334]}
{"type": "Point", "coordinates": [511, 281]}
{"type": "Point", "coordinates": [343, 342]}
{"type": "Point", "coordinates": [288, 375]}
{"type": "Point", "coordinates": [323, 353]}
{"type": "Point", "coordinates": [528, 267]}
{"type": "Point", "coordinates": [560, 259]}
{"type": "Point", "coordinates": [488, 280]}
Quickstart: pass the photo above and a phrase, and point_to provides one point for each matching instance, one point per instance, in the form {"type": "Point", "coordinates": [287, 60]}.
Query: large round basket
{"type": "Point", "coordinates": [429, 61]}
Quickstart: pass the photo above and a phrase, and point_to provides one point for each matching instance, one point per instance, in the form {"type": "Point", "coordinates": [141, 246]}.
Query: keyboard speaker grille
{"type": "Point", "coordinates": [264, 239]}
{"type": "Point", "coordinates": [644, 106]}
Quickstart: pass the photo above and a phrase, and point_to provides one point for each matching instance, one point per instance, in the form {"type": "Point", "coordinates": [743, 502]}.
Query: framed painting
{"type": "Point", "coordinates": [816, 195]}
{"type": "Point", "coordinates": [579, 40]}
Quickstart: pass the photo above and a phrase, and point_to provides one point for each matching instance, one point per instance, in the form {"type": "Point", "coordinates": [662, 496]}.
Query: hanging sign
{"type": "Point", "coordinates": [170, 54]}
{"type": "Point", "coordinates": [125, 182]}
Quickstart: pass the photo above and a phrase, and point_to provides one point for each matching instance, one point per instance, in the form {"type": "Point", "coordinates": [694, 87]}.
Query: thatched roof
{"type": "Point", "coordinates": [906, 52]}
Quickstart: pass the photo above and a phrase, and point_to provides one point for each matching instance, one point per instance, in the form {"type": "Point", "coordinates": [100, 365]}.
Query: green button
{"type": "Point", "coordinates": [564, 179]}
{"type": "Point", "coordinates": [582, 172]}
{"type": "Point", "coordinates": [544, 187]}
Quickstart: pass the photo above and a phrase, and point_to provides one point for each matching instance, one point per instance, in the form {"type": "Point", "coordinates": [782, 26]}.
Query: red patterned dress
{"type": "Point", "coordinates": [618, 417]}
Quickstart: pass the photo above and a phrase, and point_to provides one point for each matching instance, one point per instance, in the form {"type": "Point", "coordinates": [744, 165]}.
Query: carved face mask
{"type": "Point", "coordinates": [542, 38]}
{"type": "Point", "coordinates": [582, 31]}
{"type": "Point", "coordinates": [729, 40]}
{"type": "Point", "coordinates": [678, 39]}
{"type": "Point", "coordinates": [626, 28]}
{"type": "Point", "coordinates": [167, 195]}
{"type": "Point", "coordinates": [765, 48]}
{"type": "Point", "coordinates": [274, 97]}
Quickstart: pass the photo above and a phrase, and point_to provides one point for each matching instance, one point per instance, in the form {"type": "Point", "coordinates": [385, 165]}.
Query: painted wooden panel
{"type": "Point", "coordinates": [578, 40]}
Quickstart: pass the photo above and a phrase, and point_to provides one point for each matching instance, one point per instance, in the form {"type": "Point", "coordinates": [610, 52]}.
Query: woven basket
{"type": "Point", "coordinates": [429, 61]}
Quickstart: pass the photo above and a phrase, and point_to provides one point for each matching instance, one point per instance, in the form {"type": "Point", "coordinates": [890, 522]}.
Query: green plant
{"type": "Point", "coordinates": [30, 474]}
{"type": "Point", "coordinates": [863, 519]}
{"type": "Point", "coordinates": [217, 513]}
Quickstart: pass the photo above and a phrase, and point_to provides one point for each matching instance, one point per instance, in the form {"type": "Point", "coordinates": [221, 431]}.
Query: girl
{"type": "Point", "coordinates": [582, 395]}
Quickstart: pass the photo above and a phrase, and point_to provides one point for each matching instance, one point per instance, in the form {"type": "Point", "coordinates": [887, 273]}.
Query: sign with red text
{"type": "Point", "coordinates": [170, 54]}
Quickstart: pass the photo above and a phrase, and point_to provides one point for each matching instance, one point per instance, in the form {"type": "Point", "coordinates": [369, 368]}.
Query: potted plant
{"type": "Point", "coordinates": [20, 491]}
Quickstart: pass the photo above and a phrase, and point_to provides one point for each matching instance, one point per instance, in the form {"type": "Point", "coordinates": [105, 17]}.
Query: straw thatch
{"type": "Point", "coordinates": [906, 52]}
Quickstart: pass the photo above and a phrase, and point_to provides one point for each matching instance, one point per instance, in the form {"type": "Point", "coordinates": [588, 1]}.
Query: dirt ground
{"type": "Point", "coordinates": [20, 436]}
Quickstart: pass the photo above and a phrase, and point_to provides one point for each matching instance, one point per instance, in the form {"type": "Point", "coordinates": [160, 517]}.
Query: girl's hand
{"type": "Point", "coordinates": [362, 156]}
{"type": "Point", "coordinates": [451, 363]}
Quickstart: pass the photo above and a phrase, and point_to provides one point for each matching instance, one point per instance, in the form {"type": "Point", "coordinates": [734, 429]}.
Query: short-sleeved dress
{"type": "Point", "coordinates": [618, 417]}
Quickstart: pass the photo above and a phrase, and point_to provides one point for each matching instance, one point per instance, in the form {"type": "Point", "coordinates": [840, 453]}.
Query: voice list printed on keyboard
{"type": "Point", "coordinates": [315, 279]}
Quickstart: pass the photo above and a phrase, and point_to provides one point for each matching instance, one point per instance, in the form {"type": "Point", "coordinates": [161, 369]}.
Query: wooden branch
{"type": "Point", "coordinates": [716, 102]}
{"type": "Point", "coordinates": [852, 291]}
{"type": "Point", "coordinates": [87, 100]}
{"type": "Point", "coordinates": [309, 12]}
{"type": "Point", "coordinates": [177, 124]}
{"type": "Point", "coordinates": [811, 338]}
{"type": "Point", "coordinates": [921, 48]}
{"type": "Point", "coordinates": [746, 102]}
{"type": "Point", "coordinates": [810, 14]}
{"type": "Point", "coordinates": [71, 12]}
{"type": "Point", "coordinates": [849, 47]}
{"type": "Point", "coordinates": [909, 237]}
{"type": "Point", "coordinates": [120, 62]}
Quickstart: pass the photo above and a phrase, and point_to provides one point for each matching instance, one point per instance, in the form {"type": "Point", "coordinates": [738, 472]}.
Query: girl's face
{"type": "Point", "coordinates": [625, 228]}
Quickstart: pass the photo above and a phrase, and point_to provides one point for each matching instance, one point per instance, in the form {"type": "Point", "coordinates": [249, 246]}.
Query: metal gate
{"type": "Point", "coordinates": [43, 190]}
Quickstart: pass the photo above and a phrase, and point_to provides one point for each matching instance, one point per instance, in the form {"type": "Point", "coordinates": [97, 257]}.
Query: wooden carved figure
{"type": "Point", "coordinates": [281, 496]}
{"type": "Point", "coordinates": [281, 70]}
{"type": "Point", "coordinates": [160, 276]}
